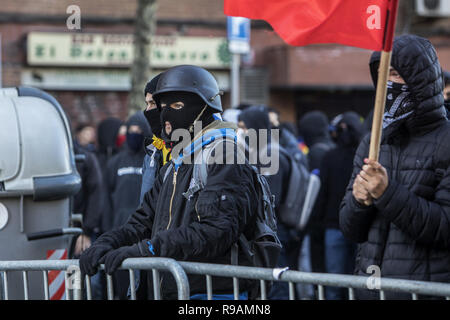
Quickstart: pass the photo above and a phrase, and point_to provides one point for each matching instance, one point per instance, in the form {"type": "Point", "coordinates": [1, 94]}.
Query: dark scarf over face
{"type": "Point", "coordinates": [399, 109]}
{"type": "Point", "coordinates": [399, 104]}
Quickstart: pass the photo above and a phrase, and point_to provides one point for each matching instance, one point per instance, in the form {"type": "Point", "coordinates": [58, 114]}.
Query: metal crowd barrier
{"type": "Point", "coordinates": [72, 276]}
{"type": "Point", "coordinates": [179, 270]}
{"type": "Point", "coordinates": [321, 280]}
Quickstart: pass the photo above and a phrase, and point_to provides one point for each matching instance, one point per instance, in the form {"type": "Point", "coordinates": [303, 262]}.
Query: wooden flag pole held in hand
{"type": "Point", "coordinates": [380, 103]}
{"type": "Point", "coordinates": [383, 75]}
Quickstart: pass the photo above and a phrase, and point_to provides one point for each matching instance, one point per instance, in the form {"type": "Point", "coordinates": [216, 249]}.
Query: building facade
{"type": "Point", "coordinates": [87, 67]}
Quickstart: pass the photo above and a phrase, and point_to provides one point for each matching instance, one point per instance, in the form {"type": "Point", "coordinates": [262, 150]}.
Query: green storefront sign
{"type": "Point", "coordinates": [116, 50]}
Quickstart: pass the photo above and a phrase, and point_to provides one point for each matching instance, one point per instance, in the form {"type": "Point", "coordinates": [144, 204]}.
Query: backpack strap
{"type": "Point", "coordinates": [166, 174]}
{"type": "Point", "coordinates": [202, 159]}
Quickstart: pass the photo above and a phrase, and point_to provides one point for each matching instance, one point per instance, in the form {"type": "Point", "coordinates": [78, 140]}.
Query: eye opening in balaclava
{"type": "Point", "coordinates": [194, 109]}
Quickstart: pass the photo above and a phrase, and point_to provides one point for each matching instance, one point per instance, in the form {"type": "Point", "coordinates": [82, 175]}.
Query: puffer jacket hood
{"type": "Point", "coordinates": [421, 72]}
{"type": "Point", "coordinates": [416, 61]}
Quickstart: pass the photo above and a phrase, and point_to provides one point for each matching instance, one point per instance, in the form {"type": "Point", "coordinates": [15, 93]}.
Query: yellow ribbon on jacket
{"type": "Point", "coordinates": [161, 145]}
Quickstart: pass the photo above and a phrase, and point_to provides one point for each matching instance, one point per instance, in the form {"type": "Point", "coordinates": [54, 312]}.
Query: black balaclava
{"type": "Point", "coordinates": [195, 109]}
{"type": "Point", "coordinates": [135, 140]}
{"type": "Point", "coordinates": [153, 116]}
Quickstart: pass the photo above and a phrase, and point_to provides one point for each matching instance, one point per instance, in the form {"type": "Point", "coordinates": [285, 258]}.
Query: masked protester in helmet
{"type": "Point", "coordinates": [201, 227]}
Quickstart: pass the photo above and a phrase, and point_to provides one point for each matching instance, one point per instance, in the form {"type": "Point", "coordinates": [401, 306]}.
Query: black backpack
{"type": "Point", "coordinates": [261, 244]}
{"type": "Point", "coordinates": [302, 191]}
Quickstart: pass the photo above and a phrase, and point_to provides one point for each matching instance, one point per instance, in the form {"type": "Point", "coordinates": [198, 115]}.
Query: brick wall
{"type": "Point", "coordinates": [173, 9]}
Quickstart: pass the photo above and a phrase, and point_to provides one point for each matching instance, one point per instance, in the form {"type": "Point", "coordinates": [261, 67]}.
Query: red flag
{"type": "Point", "coordinates": [358, 23]}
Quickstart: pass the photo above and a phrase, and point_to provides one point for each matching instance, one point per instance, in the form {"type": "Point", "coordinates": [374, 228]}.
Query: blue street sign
{"type": "Point", "coordinates": [238, 30]}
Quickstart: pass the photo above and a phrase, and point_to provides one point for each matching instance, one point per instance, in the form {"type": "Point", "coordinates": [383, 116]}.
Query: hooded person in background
{"type": "Point", "coordinates": [85, 137]}
{"type": "Point", "coordinates": [155, 149]}
{"type": "Point", "coordinates": [108, 144]}
{"type": "Point", "coordinates": [124, 176]}
{"type": "Point", "coordinates": [398, 209]}
{"type": "Point", "coordinates": [257, 118]}
{"type": "Point", "coordinates": [124, 180]}
{"type": "Point", "coordinates": [335, 172]}
{"type": "Point", "coordinates": [287, 139]}
{"type": "Point", "coordinates": [107, 140]}
{"type": "Point", "coordinates": [314, 128]}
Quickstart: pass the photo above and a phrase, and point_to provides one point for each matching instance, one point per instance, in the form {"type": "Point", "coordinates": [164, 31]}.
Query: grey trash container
{"type": "Point", "coordinates": [38, 178]}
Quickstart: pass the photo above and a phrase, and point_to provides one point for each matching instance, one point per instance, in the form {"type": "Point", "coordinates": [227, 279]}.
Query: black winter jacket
{"type": "Point", "coordinates": [124, 179]}
{"type": "Point", "coordinates": [201, 229]}
{"type": "Point", "coordinates": [89, 201]}
{"type": "Point", "coordinates": [406, 232]}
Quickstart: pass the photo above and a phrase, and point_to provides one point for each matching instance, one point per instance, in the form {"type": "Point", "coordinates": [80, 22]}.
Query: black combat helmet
{"type": "Point", "coordinates": [193, 79]}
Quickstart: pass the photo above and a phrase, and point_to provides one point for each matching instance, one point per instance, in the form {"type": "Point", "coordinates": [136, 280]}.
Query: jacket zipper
{"type": "Point", "coordinates": [174, 182]}
{"type": "Point", "coordinates": [198, 215]}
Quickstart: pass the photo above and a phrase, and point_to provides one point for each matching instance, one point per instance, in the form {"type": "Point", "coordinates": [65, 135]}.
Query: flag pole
{"type": "Point", "coordinates": [383, 76]}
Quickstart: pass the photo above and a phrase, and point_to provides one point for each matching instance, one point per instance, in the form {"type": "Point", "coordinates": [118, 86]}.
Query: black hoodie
{"type": "Point", "coordinates": [336, 170]}
{"type": "Point", "coordinates": [124, 176]}
{"type": "Point", "coordinates": [107, 131]}
{"type": "Point", "coordinates": [313, 126]}
{"type": "Point", "coordinates": [257, 118]}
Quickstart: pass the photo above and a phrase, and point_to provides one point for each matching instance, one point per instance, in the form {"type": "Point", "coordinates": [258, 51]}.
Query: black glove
{"type": "Point", "coordinates": [92, 257]}
{"type": "Point", "coordinates": [113, 259]}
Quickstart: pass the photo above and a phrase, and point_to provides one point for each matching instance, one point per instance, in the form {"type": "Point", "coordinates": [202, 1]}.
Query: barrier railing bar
{"type": "Point", "coordinates": [25, 285]}
{"type": "Point", "coordinates": [351, 294]}
{"type": "Point", "coordinates": [132, 284]}
{"type": "Point", "coordinates": [66, 285]}
{"type": "Point", "coordinates": [236, 288]}
{"type": "Point", "coordinates": [291, 291]}
{"type": "Point", "coordinates": [156, 285]}
{"type": "Point", "coordinates": [5, 285]}
{"type": "Point", "coordinates": [109, 287]}
{"type": "Point", "coordinates": [209, 292]}
{"type": "Point", "coordinates": [46, 290]}
{"type": "Point", "coordinates": [263, 290]}
{"type": "Point", "coordinates": [167, 264]}
{"type": "Point", "coordinates": [88, 287]}
{"type": "Point", "coordinates": [336, 280]}
{"type": "Point", "coordinates": [321, 292]}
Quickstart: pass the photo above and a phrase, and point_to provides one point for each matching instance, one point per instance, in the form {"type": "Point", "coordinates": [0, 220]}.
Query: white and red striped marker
{"type": "Point", "coordinates": [56, 279]}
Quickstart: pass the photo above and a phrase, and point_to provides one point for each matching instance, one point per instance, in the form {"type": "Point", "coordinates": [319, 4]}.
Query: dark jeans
{"type": "Point", "coordinates": [339, 258]}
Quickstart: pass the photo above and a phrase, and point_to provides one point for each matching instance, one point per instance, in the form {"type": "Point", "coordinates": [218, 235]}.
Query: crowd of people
{"type": "Point", "coordinates": [393, 213]}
